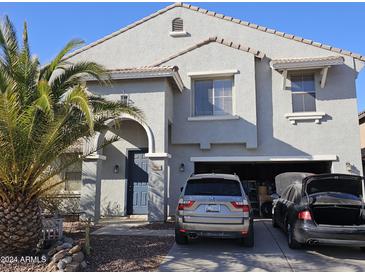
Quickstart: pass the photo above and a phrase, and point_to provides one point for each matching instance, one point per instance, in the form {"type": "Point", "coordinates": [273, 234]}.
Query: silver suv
{"type": "Point", "coordinates": [214, 205]}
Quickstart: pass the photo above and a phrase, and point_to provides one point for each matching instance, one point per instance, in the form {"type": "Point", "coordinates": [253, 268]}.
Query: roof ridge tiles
{"type": "Point", "coordinates": [223, 17]}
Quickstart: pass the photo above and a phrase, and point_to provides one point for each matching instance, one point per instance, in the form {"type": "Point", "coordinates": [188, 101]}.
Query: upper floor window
{"type": "Point", "coordinates": [303, 92]}
{"type": "Point", "coordinates": [177, 25]}
{"type": "Point", "coordinates": [213, 97]}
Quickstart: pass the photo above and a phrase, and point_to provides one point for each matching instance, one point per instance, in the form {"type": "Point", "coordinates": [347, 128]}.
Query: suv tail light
{"type": "Point", "coordinates": [245, 207]}
{"type": "Point", "coordinates": [304, 215]}
{"type": "Point", "coordinates": [185, 204]}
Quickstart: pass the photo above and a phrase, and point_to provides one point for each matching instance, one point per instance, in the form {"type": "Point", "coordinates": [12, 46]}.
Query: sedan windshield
{"type": "Point", "coordinates": [213, 186]}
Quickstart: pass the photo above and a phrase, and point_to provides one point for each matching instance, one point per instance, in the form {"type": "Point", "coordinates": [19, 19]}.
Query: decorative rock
{"type": "Point", "coordinates": [63, 246]}
{"type": "Point", "coordinates": [52, 251]}
{"type": "Point", "coordinates": [59, 255]}
{"type": "Point", "coordinates": [67, 259]}
{"type": "Point", "coordinates": [83, 264]}
{"type": "Point", "coordinates": [72, 267]}
{"type": "Point", "coordinates": [68, 240]}
{"type": "Point", "coordinates": [61, 264]}
{"type": "Point", "coordinates": [52, 266]}
{"type": "Point", "coordinates": [78, 257]}
{"type": "Point", "coordinates": [75, 249]}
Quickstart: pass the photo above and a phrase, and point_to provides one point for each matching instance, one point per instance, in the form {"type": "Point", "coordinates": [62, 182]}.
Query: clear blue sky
{"type": "Point", "coordinates": [51, 25]}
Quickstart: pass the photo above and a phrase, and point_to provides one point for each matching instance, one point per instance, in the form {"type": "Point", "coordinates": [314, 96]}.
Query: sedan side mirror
{"type": "Point", "coordinates": [275, 196]}
{"type": "Point", "coordinates": [181, 189]}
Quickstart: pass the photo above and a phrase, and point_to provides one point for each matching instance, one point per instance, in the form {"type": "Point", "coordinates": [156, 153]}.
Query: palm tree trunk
{"type": "Point", "coordinates": [20, 226]}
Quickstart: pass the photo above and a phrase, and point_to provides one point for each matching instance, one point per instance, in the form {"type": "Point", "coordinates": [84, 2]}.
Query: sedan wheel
{"type": "Point", "coordinates": [292, 243]}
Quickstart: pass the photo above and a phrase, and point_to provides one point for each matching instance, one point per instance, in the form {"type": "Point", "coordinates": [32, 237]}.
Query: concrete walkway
{"type": "Point", "coordinates": [271, 253]}
{"type": "Point", "coordinates": [125, 229]}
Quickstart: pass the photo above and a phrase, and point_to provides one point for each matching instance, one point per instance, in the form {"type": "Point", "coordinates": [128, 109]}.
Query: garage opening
{"type": "Point", "coordinates": [258, 179]}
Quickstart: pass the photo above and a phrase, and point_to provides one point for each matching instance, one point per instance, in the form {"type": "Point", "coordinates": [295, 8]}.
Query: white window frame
{"type": "Point", "coordinates": [231, 78]}
{"type": "Point", "coordinates": [303, 92]}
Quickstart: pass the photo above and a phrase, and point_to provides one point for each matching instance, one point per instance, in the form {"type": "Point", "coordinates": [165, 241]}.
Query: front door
{"type": "Point", "coordinates": [137, 202]}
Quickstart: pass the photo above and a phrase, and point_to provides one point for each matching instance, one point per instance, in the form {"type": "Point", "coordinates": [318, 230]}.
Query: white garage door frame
{"type": "Point", "coordinates": [265, 158]}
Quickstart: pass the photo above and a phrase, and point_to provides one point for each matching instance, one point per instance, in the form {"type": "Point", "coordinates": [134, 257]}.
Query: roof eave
{"type": "Point", "coordinates": [143, 75]}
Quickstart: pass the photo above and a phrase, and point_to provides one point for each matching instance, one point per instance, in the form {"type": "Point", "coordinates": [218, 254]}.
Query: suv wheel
{"type": "Point", "coordinates": [292, 243]}
{"type": "Point", "coordinates": [180, 238]}
{"type": "Point", "coordinates": [248, 241]}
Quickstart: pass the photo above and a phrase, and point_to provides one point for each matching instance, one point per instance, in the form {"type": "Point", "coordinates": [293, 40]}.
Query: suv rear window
{"type": "Point", "coordinates": [212, 186]}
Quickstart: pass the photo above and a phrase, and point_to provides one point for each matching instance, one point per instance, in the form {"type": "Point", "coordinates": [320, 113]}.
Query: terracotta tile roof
{"type": "Point", "coordinates": [272, 31]}
{"type": "Point", "coordinates": [147, 72]}
{"type": "Point", "coordinates": [215, 39]}
{"type": "Point", "coordinates": [361, 114]}
{"type": "Point", "coordinates": [223, 17]}
{"type": "Point", "coordinates": [308, 59]}
{"type": "Point", "coordinates": [145, 69]}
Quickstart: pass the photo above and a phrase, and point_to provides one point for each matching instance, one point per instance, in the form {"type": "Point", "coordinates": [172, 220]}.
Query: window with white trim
{"type": "Point", "coordinates": [213, 97]}
{"type": "Point", "coordinates": [303, 92]}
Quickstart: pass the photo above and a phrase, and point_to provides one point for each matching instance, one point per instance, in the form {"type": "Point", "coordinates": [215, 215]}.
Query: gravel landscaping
{"type": "Point", "coordinates": [109, 253]}
{"type": "Point", "coordinates": [127, 253]}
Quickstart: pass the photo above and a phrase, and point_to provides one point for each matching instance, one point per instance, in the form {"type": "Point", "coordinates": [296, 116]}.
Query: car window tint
{"type": "Point", "coordinates": [213, 186]}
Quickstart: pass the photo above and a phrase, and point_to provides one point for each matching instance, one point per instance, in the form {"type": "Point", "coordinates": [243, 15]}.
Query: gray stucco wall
{"type": "Point", "coordinates": [261, 102]}
{"type": "Point", "coordinates": [217, 57]}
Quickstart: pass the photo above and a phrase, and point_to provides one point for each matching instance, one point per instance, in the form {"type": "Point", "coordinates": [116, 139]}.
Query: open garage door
{"type": "Point", "coordinates": [259, 178]}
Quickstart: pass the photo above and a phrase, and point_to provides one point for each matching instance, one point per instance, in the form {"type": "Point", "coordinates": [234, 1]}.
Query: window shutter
{"type": "Point", "coordinates": [177, 24]}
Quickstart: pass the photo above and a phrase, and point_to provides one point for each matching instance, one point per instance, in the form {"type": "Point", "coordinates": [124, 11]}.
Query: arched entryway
{"type": "Point", "coordinates": [127, 176]}
{"type": "Point", "coordinates": [124, 172]}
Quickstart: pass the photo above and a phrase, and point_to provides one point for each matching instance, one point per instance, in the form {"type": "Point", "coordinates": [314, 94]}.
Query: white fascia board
{"type": "Point", "coordinates": [330, 157]}
{"type": "Point", "coordinates": [217, 73]}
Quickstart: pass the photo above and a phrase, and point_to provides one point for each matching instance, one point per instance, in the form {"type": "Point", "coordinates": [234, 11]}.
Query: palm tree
{"type": "Point", "coordinates": [43, 111]}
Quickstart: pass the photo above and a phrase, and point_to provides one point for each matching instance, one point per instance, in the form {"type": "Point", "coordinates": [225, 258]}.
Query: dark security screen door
{"type": "Point", "coordinates": [137, 182]}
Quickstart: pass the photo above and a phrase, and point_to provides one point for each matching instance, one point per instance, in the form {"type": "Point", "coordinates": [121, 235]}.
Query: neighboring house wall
{"type": "Point", "coordinates": [362, 134]}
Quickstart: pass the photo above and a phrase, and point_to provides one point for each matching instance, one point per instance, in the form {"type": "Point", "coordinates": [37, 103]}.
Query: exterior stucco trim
{"type": "Point", "coordinates": [158, 155]}
{"type": "Point", "coordinates": [213, 118]}
{"type": "Point", "coordinates": [300, 116]}
{"type": "Point", "coordinates": [264, 158]}
{"type": "Point", "coordinates": [220, 73]}
{"type": "Point", "coordinates": [223, 17]}
{"type": "Point", "coordinates": [96, 157]}
{"type": "Point", "coordinates": [125, 116]}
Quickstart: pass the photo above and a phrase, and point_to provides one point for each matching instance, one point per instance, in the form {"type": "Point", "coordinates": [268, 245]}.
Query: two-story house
{"type": "Point", "coordinates": [219, 95]}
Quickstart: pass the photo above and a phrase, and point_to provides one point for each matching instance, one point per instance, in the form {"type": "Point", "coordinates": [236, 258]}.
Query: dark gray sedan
{"type": "Point", "coordinates": [320, 209]}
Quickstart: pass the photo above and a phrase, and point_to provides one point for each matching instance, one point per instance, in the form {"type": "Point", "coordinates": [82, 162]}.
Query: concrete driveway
{"type": "Point", "coordinates": [271, 253]}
